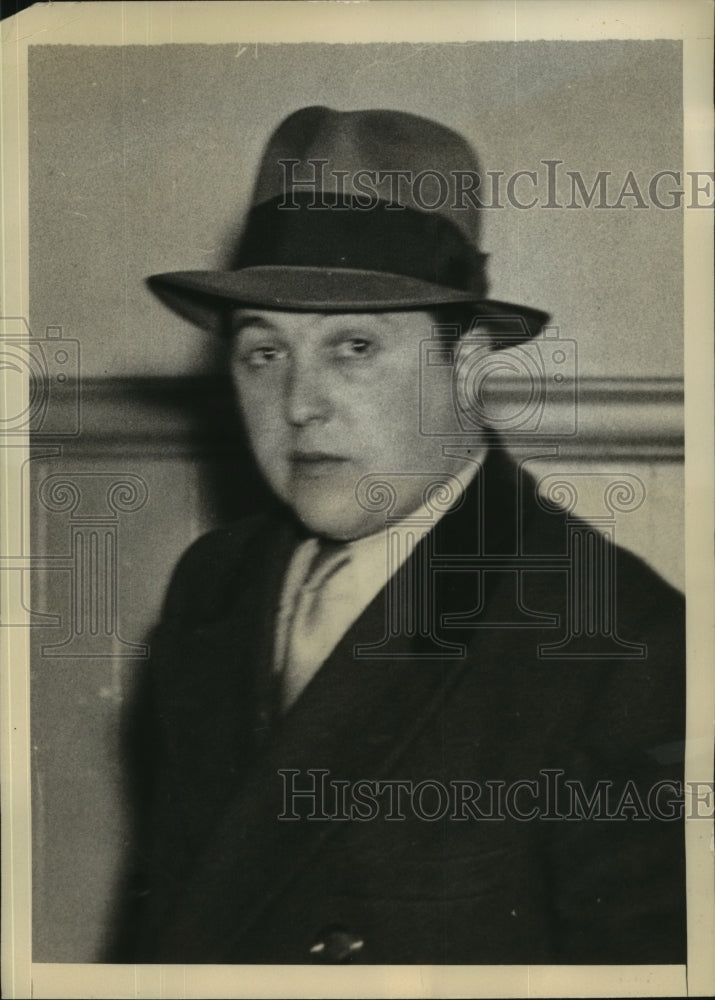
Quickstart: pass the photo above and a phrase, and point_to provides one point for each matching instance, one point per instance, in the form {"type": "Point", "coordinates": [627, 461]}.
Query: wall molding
{"type": "Point", "coordinates": [622, 419]}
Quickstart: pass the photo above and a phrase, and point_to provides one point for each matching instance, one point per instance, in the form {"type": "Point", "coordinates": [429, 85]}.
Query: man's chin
{"type": "Point", "coordinates": [328, 506]}
{"type": "Point", "coordinates": [342, 524]}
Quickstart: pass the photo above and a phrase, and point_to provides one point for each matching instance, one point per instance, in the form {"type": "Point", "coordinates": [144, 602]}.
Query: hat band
{"type": "Point", "coordinates": [320, 231]}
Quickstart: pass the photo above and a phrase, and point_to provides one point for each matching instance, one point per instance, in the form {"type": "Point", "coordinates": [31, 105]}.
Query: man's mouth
{"type": "Point", "coordinates": [316, 463]}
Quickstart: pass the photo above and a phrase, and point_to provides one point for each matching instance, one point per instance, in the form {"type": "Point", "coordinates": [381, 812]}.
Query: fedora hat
{"type": "Point", "coordinates": [355, 211]}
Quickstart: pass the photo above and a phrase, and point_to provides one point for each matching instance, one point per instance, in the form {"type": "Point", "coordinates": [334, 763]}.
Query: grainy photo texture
{"type": "Point", "coordinates": [356, 499]}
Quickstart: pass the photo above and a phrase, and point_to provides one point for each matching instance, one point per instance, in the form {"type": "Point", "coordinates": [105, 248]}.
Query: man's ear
{"type": "Point", "coordinates": [477, 372]}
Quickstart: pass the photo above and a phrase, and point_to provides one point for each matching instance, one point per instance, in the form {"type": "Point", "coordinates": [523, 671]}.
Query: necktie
{"type": "Point", "coordinates": [310, 638]}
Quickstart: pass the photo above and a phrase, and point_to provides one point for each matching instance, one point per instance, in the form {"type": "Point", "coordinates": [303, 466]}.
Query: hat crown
{"type": "Point", "coordinates": [401, 158]}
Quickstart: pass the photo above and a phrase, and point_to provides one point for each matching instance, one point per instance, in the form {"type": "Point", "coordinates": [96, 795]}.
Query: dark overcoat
{"type": "Point", "coordinates": [551, 661]}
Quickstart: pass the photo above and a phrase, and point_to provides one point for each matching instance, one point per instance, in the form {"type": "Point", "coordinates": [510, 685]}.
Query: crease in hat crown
{"type": "Point", "coordinates": [353, 211]}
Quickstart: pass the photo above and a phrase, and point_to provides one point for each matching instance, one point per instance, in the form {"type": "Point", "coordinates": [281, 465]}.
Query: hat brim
{"type": "Point", "coordinates": [206, 297]}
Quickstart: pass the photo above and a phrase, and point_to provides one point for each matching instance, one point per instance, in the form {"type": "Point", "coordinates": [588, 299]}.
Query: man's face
{"type": "Point", "coordinates": [328, 398]}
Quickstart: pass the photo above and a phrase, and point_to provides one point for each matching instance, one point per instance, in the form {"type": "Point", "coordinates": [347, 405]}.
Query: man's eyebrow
{"type": "Point", "coordinates": [359, 320]}
{"type": "Point", "coordinates": [251, 319]}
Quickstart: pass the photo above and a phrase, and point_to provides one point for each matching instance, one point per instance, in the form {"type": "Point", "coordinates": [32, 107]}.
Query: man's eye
{"type": "Point", "coordinates": [261, 357]}
{"type": "Point", "coordinates": [354, 347]}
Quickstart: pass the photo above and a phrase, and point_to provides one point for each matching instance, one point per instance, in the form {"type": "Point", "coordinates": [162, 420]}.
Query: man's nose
{"type": "Point", "coordinates": [307, 394]}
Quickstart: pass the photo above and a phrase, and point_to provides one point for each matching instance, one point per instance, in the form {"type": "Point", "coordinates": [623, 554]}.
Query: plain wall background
{"type": "Point", "coordinates": [142, 161]}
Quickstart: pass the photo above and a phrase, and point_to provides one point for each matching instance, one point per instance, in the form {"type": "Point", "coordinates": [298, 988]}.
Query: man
{"type": "Point", "coordinates": [367, 699]}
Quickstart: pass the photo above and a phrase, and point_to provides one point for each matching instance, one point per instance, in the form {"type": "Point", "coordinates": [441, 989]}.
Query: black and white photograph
{"type": "Point", "coordinates": [357, 560]}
